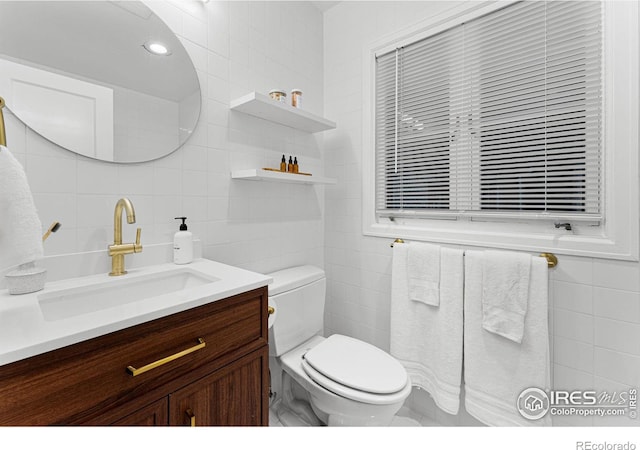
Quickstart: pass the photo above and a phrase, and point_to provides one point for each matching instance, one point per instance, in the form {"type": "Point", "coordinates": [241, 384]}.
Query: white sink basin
{"type": "Point", "coordinates": [72, 310]}
{"type": "Point", "coordinates": [114, 292]}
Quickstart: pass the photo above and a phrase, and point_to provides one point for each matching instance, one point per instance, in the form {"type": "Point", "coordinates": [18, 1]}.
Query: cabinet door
{"type": "Point", "coordinates": [237, 394]}
{"type": "Point", "coordinates": [155, 414]}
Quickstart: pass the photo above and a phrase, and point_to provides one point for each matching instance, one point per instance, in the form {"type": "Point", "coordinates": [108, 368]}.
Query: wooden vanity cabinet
{"type": "Point", "coordinates": [155, 414]}
{"type": "Point", "coordinates": [224, 382]}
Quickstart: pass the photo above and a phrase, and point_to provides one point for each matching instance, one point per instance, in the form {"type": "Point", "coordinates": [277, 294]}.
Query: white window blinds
{"type": "Point", "coordinates": [500, 115]}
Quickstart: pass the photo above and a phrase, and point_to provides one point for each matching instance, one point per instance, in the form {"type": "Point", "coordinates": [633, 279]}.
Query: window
{"type": "Point", "coordinates": [488, 122]}
{"type": "Point", "coordinates": [498, 116]}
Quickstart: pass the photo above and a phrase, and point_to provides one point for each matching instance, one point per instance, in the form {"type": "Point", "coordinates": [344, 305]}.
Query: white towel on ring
{"type": "Point", "coordinates": [20, 227]}
{"type": "Point", "coordinates": [424, 273]}
{"type": "Point", "coordinates": [498, 370]}
{"type": "Point", "coordinates": [426, 340]}
{"type": "Point", "coordinates": [505, 292]}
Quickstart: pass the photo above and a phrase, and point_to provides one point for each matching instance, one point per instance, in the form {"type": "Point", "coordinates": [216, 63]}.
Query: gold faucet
{"type": "Point", "coordinates": [118, 249]}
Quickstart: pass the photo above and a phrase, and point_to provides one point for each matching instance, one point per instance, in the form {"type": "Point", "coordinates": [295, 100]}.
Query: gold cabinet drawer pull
{"type": "Point", "coordinates": [191, 416]}
{"type": "Point", "coordinates": [133, 371]}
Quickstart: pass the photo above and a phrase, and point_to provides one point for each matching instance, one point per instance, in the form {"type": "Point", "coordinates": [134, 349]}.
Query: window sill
{"type": "Point", "coordinates": [510, 236]}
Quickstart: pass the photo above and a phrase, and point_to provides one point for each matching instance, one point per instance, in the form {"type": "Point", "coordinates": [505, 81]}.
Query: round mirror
{"type": "Point", "coordinates": [105, 79]}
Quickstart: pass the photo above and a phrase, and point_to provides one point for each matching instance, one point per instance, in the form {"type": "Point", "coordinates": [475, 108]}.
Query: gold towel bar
{"type": "Point", "coordinates": [399, 241]}
{"type": "Point", "coordinates": [552, 260]}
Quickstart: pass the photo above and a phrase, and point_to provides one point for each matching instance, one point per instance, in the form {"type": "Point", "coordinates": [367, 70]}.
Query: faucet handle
{"type": "Point", "coordinates": [137, 248]}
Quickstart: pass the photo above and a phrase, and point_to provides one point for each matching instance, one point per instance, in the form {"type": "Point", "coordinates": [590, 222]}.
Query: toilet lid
{"type": "Point", "coordinates": [357, 365]}
{"type": "Point", "coordinates": [354, 394]}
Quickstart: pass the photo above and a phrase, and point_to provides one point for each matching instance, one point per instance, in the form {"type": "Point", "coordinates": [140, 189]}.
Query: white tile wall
{"type": "Point", "coordinates": [594, 306]}
{"type": "Point", "coordinates": [237, 47]}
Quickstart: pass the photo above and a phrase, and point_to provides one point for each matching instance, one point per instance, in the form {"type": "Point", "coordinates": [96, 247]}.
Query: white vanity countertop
{"type": "Point", "coordinates": [25, 332]}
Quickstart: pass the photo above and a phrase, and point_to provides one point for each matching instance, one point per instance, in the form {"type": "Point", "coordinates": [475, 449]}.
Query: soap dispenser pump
{"type": "Point", "coordinates": [183, 244]}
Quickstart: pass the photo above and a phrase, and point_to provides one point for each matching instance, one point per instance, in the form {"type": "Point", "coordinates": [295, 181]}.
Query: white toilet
{"type": "Point", "coordinates": [333, 381]}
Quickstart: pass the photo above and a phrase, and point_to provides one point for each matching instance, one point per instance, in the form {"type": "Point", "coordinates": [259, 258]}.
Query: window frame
{"type": "Point", "coordinates": [616, 236]}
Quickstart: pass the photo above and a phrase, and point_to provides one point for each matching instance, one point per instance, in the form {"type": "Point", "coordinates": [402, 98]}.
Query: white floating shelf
{"type": "Point", "coordinates": [260, 105]}
{"type": "Point", "coordinates": [281, 177]}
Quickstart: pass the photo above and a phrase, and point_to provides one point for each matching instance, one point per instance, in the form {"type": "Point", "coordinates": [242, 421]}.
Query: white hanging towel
{"type": "Point", "coordinates": [424, 273]}
{"type": "Point", "coordinates": [498, 370]}
{"type": "Point", "coordinates": [428, 340]}
{"type": "Point", "coordinates": [505, 292]}
{"type": "Point", "coordinates": [20, 227]}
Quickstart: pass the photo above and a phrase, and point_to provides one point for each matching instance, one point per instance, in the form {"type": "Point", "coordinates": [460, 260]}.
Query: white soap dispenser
{"type": "Point", "coordinates": [183, 244]}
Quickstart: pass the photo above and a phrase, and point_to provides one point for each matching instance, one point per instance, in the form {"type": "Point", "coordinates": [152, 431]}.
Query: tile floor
{"type": "Point", "coordinates": [403, 414]}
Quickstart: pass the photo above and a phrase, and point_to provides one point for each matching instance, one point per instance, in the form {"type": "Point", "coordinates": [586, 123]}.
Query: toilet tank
{"type": "Point", "coordinates": [298, 294]}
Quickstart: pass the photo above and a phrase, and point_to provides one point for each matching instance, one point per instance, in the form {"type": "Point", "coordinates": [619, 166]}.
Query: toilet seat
{"type": "Point", "coordinates": [356, 370]}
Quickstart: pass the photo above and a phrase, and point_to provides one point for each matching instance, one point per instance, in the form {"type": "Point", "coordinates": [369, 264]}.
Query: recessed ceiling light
{"type": "Point", "coordinates": [156, 48]}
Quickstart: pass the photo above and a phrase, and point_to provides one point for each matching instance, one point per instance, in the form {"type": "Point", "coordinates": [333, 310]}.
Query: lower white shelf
{"type": "Point", "coordinates": [280, 177]}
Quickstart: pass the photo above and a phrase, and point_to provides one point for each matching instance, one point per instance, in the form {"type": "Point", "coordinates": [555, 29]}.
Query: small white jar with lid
{"type": "Point", "coordinates": [278, 95]}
